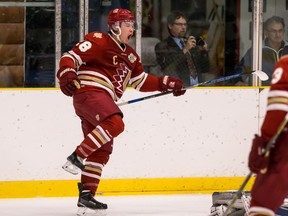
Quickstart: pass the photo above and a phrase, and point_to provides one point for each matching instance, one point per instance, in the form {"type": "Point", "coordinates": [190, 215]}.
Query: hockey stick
{"type": "Point", "coordinates": [260, 74]}
{"type": "Point", "coordinates": [265, 153]}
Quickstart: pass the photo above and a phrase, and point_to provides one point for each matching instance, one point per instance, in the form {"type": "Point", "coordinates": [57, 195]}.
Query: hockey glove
{"type": "Point", "coordinates": [168, 83]}
{"type": "Point", "coordinates": [258, 161]}
{"type": "Point", "coordinates": [68, 81]}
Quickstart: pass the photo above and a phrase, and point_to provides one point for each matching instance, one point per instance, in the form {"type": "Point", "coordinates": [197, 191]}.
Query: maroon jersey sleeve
{"type": "Point", "coordinates": [277, 104]}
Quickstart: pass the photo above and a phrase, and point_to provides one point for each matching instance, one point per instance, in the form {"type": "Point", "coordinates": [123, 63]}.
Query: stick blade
{"type": "Point", "coordinates": [261, 75]}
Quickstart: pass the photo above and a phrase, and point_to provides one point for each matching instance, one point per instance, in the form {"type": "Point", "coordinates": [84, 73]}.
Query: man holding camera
{"type": "Point", "coordinates": [183, 57]}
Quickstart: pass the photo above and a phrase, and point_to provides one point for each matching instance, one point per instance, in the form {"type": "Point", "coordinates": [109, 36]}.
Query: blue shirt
{"type": "Point", "coordinates": [177, 41]}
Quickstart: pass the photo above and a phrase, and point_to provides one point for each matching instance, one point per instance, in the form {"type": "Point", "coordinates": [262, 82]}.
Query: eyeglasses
{"type": "Point", "coordinates": [280, 31]}
{"type": "Point", "coordinates": [180, 24]}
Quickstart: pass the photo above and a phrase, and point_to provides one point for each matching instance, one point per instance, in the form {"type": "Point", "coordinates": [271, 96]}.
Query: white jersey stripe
{"type": "Point", "coordinates": [96, 74]}
{"type": "Point", "coordinates": [261, 210]}
{"type": "Point", "coordinates": [90, 83]}
{"type": "Point", "coordinates": [83, 152]}
{"type": "Point", "coordinates": [94, 140]}
{"type": "Point", "coordinates": [277, 106]}
{"type": "Point", "coordinates": [103, 133]}
{"type": "Point", "coordinates": [142, 82]}
{"type": "Point", "coordinates": [94, 164]}
{"type": "Point", "coordinates": [278, 93]}
{"type": "Point", "coordinates": [91, 175]}
{"type": "Point", "coordinates": [76, 56]}
{"type": "Point", "coordinates": [137, 77]}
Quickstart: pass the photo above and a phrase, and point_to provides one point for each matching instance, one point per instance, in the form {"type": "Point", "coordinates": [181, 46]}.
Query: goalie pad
{"type": "Point", "coordinates": [221, 201]}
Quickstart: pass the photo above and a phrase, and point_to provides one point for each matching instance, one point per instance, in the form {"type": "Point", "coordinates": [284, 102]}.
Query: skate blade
{"type": "Point", "coordinates": [69, 167]}
{"type": "Point", "coordinates": [82, 211]}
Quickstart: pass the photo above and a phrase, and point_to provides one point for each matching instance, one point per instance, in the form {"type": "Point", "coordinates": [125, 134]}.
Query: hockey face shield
{"type": "Point", "coordinates": [130, 23]}
{"type": "Point", "coordinates": [124, 32]}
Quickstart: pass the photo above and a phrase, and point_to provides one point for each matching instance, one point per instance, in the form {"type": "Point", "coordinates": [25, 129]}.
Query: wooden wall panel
{"type": "Point", "coordinates": [11, 76]}
{"type": "Point", "coordinates": [12, 39]}
{"type": "Point", "coordinates": [13, 34]}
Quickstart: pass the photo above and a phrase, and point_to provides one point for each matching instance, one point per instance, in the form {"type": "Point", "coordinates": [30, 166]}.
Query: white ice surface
{"type": "Point", "coordinates": [152, 205]}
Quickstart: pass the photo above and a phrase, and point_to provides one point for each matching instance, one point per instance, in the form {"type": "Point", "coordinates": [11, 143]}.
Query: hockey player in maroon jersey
{"type": "Point", "coordinates": [102, 66]}
{"type": "Point", "coordinates": [271, 185]}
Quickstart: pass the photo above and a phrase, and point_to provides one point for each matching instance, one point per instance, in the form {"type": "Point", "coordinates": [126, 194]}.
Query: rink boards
{"type": "Point", "coordinates": [197, 143]}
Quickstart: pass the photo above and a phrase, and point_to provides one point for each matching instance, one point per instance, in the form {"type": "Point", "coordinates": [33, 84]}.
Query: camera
{"type": "Point", "coordinates": [199, 41]}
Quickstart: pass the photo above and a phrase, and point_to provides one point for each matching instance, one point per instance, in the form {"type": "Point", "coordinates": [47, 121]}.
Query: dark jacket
{"type": "Point", "coordinates": [173, 61]}
{"type": "Point", "coordinates": [269, 59]}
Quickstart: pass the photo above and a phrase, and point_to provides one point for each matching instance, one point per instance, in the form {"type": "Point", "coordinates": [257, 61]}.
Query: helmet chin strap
{"type": "Point", "coordinates": [117, 35]}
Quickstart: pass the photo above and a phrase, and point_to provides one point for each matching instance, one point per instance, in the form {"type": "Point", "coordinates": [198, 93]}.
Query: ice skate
{"type": "Point", "coordinates": [86, 201]}
{"type": "Point", "coordinates": [73, 164]}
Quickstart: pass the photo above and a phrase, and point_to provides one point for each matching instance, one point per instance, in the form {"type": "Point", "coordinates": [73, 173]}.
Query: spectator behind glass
{"type": "Point", "coordinates": [182, 56]}
{"type": "Point", "coordinates": [274, 46]}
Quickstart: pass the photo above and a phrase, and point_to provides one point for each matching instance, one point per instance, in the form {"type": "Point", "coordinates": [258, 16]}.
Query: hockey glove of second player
{"type": "Point", "coordinates": [168, 83]}
{"type": "Point", "coordinates": [68, 81]}
{"type": "Point", "coordinates": [258, 161]}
